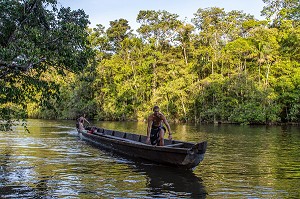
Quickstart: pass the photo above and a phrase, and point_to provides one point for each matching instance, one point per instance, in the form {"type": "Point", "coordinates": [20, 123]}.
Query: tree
{"type": "Point", "coordinates": [185, 38]}
{"type": "Point", "coordinates": [267, 48]}
{"type": "Point", "coordinates": [159, 30]}
{"type": "Point", "coordinates": [216, 29]}
{"type": "Point", "coordinates": [117, 32]}
{"type": "Point", "coordinates": [290, 44]}
{"type": "Point", "coordinates": [161, 26]}
{"type": "Point", "coordinates": [238, 52]}
{"type": "Point", "coordinates": [278, 10]}
{"type": "Point", "coordinates": [36, 36]}
{"type": "Point", "coordinates": [99, 42]}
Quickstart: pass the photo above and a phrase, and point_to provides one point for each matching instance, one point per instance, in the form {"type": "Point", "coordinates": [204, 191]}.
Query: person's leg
{"type": "Point", "coordinates": [154, 136]}
{"type": "Point", "coordinates": [161, 137]}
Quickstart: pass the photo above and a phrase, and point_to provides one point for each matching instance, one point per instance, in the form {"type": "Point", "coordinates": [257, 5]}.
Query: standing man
{"type": "Point", "coordinates": [155, 129]}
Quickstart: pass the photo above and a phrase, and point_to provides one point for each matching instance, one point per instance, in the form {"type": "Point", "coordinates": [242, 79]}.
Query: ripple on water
{"type": "Point", "coordinates": [241, 162]}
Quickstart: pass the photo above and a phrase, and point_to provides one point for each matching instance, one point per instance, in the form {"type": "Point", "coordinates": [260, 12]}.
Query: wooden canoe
{"type": "Point", "coordinates": [174, 153]}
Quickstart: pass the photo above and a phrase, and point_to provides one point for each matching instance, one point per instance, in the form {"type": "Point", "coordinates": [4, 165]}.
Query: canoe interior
{"type": "Point", "coordinates": [186, 155]}
{"type": "Point", "coordinates": [137, 138]}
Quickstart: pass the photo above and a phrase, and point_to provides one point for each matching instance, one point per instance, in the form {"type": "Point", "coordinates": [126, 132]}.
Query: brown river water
{"type": "Point", "coordinates": [240, 162]}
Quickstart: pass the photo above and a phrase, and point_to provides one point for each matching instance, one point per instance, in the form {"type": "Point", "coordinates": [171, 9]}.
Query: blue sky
{"type": "Point", "coordinates": [104, 11]}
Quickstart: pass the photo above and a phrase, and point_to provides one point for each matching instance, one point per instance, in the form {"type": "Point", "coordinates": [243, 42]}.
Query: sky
{"type": "Point", "coordinates": [104, 11]}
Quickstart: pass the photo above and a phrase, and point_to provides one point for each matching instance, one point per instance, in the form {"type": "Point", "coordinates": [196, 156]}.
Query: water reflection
{"type": "Point", "coordinates": [241, 162]}
{"type": "Point", "coordinates": [165, 182]}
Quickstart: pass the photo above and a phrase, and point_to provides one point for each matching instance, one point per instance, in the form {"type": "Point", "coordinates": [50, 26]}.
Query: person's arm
{"type": "Point", "coordinates": [86, 120]}
{"type": "Point", "coordinates": [149, 129]}
{"type": "Point", "coordinates": [168, 127]}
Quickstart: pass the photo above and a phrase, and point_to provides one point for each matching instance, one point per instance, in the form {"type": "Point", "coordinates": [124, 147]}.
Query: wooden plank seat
{"type": "Point", "coordinates": [100, 130]}
{"type": "Point", "coordinates": [133, 137]}
{"type": "Point", "coordinates": [168, 142]}
{"type": "Point", "coordinates": [123, 139]}
{"type": "Point", "coordinates": [107, 132]}
{"type": "Point", "coordinates": [119, 134]}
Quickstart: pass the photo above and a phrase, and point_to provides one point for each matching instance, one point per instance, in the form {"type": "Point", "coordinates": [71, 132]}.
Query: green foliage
{"type": "Point", "coordinates": [280, 10]}
{"type": "Point", "coordinates": [225, 67]}
{"type": "Point", "coordinates": [117, 32]}
{"type": "Point", "coordinates": [36, 36]}
{"type": "Point", "coordinates": [158, 26]}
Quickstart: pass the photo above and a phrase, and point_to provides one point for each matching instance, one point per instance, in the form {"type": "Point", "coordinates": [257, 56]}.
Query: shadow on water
{"type": "Point", "coordinates": [163, 180]}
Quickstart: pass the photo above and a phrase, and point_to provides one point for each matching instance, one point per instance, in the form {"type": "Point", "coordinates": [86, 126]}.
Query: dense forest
{"type": "Point", "coordinates": [220, 66]}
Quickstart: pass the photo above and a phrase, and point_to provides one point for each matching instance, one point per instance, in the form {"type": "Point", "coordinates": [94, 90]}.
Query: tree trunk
{"type": "Point", "coordinates": [267, 75]}
{"type": "Point", "coordinates": [185, 55]}
{"type": "Point", "coordinates": [183, 107]}
{"type": "Point", "coordinates": [154, 78]}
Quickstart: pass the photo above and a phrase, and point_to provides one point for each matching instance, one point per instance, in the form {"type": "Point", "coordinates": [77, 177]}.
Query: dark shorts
{"type": "Point", "coordinates": [154, 135]}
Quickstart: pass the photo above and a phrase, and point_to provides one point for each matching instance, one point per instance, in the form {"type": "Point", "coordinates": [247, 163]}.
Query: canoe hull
{"type": "Point", "coordinates": [168, 155]}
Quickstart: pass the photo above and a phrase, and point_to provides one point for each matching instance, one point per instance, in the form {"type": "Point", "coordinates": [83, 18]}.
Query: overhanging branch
{"type": "Point", "coordinates": [14, 67]}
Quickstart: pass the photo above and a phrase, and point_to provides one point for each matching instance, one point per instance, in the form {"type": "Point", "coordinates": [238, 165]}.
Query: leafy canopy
{"type": "Point", "coordinates": [36, 36]}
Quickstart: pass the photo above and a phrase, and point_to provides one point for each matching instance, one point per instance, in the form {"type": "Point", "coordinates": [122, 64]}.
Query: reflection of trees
{"type": "Point", "coordinates": [168, 181]}
{"type": "Point", "coordinates": [245, 161]}
{"type": "Point", "coordinates": [8, 175]}
{"type": "Point", "coordinates": [260, 158]}
{"type": "Point", "coordinates": [18, 176]}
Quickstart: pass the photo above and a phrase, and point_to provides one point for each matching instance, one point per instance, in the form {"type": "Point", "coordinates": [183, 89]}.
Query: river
{"type": "Point", "coordinates": [240, 162]}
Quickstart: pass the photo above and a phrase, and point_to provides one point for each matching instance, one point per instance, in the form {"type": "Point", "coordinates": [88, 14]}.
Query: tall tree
{"type": "Point", "coordinates": [36, 35]}
{"type": "Point", "coordinates": [185, 39]}
{"type": "Point", "coordinates": [216, 29]}
{"type": "Point", "coordinates": [161, 26]}
{"type": "Point", "coordinates": [117, 32]}
{"type": "Point", "coordinates": [159, 29]}
{"type": "Point", "coordinates": [278, 10]}
{"type": "Point", "coordinates": [99, 42]}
